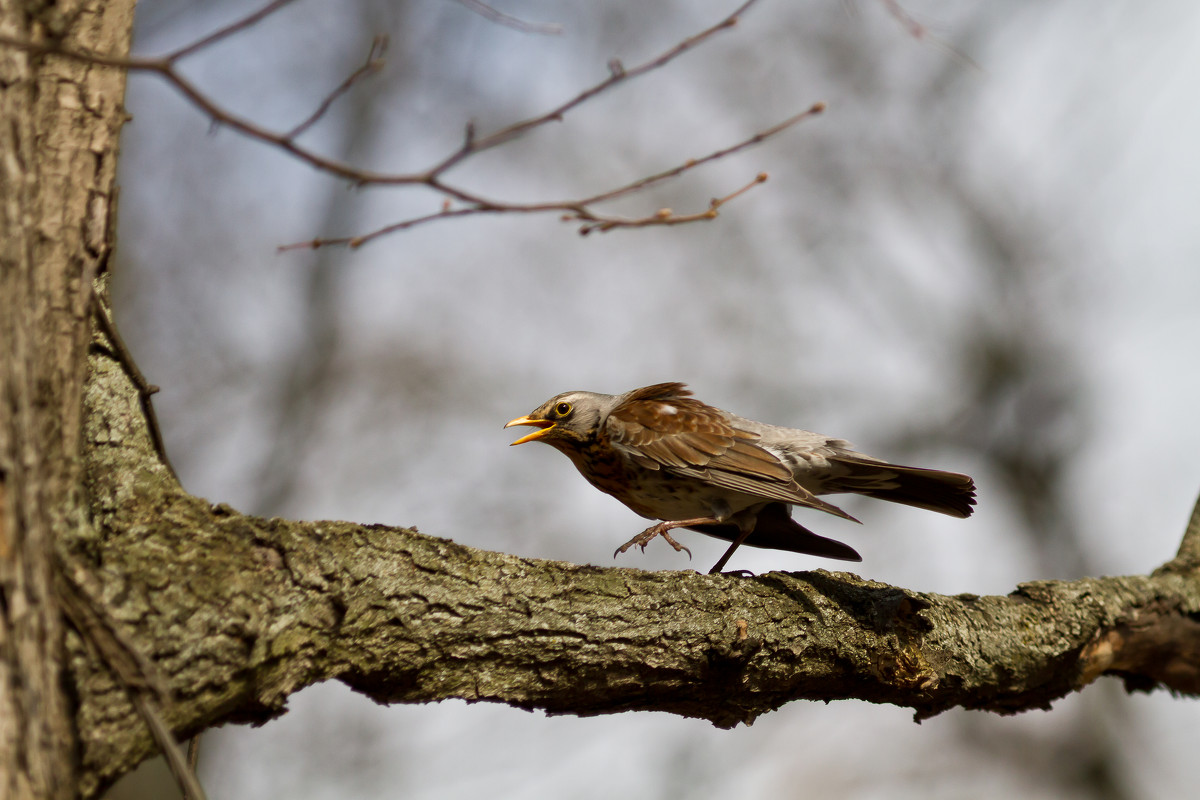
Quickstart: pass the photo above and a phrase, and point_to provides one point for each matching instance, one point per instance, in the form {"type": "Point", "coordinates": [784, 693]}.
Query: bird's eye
{"type": "Point", "coordinates": [562, 409]}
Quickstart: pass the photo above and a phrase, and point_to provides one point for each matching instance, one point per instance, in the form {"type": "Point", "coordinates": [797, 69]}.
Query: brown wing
{"type": "Point", "coordinates": [663, 427]}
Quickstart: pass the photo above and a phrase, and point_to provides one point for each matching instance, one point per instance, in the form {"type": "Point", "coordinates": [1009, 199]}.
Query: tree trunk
{"type": "Point", "coordinates": [58, 158]}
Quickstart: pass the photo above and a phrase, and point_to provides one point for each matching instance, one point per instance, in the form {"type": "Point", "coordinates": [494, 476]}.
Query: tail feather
{"type": "Point", "coordinates": [776, 530]}
{"type": "Point", "coordinates": [945, 492]}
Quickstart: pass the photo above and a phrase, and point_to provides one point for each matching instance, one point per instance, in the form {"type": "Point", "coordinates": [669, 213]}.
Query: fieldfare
{"type": "Point", "coordinates": [670, 457]}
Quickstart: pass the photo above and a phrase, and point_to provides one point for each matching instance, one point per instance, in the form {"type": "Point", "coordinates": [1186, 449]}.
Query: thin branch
{"type": "Point", "coordinates": [692, 163]}
{"type": "Point", "coordinates": [373, 64]}
{"type": "Point", "coordinates": [664, 216]}
{"type": "Point", "coordinates": [193, 753]}
{"type": "Point", "coordinates": [146, 390]}
{"type": "Point", "coordinates": [500, 18]}
{"type": "Point", "coordinates": [575, 210]}
{"type": "Point", "coordinates": [165, 67]}
{"type": "Point", "coordinates": [358, 241]}
{"type": "Point", "coordinates": [617, 74]}
{"type": "Point", "coordinates": [1189, 549]}
{"type": "Point", "coordinates": [229, 30]}
{"type": "Point", "coordinates": [917, 30]}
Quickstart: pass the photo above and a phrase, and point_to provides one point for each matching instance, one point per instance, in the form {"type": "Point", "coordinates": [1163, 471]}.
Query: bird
{"type": "Point", "coordinates": [670, 457]}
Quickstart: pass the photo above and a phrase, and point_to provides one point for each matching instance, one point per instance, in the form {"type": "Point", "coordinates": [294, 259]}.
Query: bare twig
{"type": "Point", "coordinates": [917, 30]}
{"type": "Point", "coordinates": [664, 216]}
{"type": "Point", "coordinates": [395, 227]}
{"type": "Point", "coordinates": [229, 30]}
{"type": "Point", "coordinates": [193, 753]}
{"type": "Point", "coordinates": [500, 18]}
{"type": "Point", "coordinates": [617, 74]}
{"type": "Point", "coordinates": [1189, 547]}
{"type": "Point", "coordinates": [372, 65]}
{"type": "Point", "coordinates": [580, 210]}
{"type": "Point", "coordinates": [473, 203]}
{"type": "Point", "coordinates": [758, 138]}
{"type": "Point", "coordinates": [145, 389]}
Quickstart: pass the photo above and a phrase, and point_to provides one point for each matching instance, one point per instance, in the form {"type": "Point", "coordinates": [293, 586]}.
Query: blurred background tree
{"type": "Point", "coordinates": [981, 258]}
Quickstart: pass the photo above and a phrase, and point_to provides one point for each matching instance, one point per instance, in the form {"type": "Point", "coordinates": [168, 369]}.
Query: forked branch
{"type": "Point", "coordinates": [457, 200]}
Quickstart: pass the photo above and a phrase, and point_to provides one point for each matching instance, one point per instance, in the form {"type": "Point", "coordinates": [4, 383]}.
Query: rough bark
{"type": "Point", "coordinates": [239, 612]}
{"type": "Point", "coordinates": [58, 151]}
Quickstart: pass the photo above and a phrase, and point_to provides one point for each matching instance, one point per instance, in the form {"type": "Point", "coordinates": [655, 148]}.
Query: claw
{"type": "Point", "coordinates": [678, 547]}
{"type": "Point", "coordinates": [645, 537]}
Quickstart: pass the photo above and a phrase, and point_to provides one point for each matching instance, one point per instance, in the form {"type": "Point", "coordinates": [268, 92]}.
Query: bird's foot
{"type": "Point", "coordinates": [678, 547]}
{"type": "Point", "coordinates": [645, 537]}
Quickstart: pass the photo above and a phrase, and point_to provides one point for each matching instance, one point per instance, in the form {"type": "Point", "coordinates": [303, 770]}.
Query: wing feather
{"type": "Point", "coordinates": [663, 427]}
{"type": "Point", "coordinates": [786, 493]}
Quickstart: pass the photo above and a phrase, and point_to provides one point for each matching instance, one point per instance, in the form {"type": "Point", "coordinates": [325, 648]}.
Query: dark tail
{"type": "Point", "coordinates": [776, 530]}
{"type": "Point", "coordinates": [946, 492]}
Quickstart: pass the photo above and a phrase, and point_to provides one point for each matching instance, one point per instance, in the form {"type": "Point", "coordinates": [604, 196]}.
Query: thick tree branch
{"type": "Point", "coordinates": [239, 612]}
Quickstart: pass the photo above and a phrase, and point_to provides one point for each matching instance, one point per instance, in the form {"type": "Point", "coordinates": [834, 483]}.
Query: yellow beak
{"type": "Point", "coordinates": [543, 424]}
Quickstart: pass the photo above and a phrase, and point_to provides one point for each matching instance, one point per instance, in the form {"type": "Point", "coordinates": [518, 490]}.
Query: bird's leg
{"type": "Point", "coordinates": [645, 537]}
{"type": "Point", "coordinates": [741, 537]}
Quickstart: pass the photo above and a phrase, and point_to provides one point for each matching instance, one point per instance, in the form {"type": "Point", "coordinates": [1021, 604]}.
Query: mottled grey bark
{"type": "Point", "coordinates": [59, 122]}
{"type": "Point", "coordinates": [240, 611]}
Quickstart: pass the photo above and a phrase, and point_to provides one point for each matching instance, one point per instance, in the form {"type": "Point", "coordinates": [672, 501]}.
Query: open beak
{"type": "Point", "coordinates": [544, 426]}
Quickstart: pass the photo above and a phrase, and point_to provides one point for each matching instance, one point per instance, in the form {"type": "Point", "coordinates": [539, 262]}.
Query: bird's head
{"type": "Point", "coordinates": [565, 421]}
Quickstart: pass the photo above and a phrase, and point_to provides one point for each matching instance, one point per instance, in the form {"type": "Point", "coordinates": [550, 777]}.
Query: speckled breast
{"type": "Point", "coordinates": [651, 493]}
